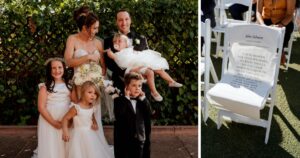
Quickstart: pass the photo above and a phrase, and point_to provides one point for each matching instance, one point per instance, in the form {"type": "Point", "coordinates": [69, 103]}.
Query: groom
{"type": "Point", "coordinates": [123, 21]}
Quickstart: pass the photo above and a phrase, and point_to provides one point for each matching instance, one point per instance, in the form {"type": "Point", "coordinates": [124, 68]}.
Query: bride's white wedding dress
{"type": "Point", "coordinates": [85, 142]}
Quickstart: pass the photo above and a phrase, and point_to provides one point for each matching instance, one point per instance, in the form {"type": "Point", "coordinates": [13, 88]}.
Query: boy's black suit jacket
{"type": "Point", "coordinates": [130, 127]}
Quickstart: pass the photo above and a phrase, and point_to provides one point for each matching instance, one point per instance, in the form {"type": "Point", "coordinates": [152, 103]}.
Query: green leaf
{"type": "Point", "coordinates": [14, 88]}
{"type": "Point", "coordinates": [194, 87]}
{"type": "Point", "coordinates": [1, 88]}
{"type": "Point", "coordinates": [21, 101]}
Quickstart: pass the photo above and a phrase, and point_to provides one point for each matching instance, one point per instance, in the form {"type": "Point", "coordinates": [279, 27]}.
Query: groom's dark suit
{"type": "Point", "coordinates": [138, 42]}
{"type": "Point", "coordinates": [129, 128]}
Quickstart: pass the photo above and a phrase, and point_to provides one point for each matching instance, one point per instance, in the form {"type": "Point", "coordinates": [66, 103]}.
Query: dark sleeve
{"type": "Point", "coordinates": [111, 64]}
{"type": "Point", "coordinates": [147, 116]}
{"type": "Point", "coordinates": [147, 107]}
{"type": "Point", "coordinates": [120, 133]}
{"type": "Point", "coordinates": [147, 119]}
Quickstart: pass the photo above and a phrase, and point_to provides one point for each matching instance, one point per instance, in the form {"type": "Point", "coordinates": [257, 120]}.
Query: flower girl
{"type": "Point", "coordinates": [85, 142]}
{"type": "Point", "coordinates": [53, 103]}
{"type": "Point", "coordinates": [140, 61]}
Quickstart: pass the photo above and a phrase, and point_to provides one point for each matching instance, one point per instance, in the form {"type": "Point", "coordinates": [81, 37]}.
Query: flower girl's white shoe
{"type": "Point", "coordinates": [157, 97]}
{"type": "Point", "coordinates": [175, 84]}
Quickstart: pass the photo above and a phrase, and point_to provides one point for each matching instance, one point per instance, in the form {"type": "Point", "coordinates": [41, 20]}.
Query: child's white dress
{"type": "Point", "coordinates": [129, 58]}
{"type": "Point", "coordinates": [85, 142]}
{"type": "Point", "coordinates": [50, 143]}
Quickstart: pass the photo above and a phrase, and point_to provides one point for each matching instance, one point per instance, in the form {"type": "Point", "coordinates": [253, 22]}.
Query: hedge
{"type": "Point", "coordinates": [34, 30]}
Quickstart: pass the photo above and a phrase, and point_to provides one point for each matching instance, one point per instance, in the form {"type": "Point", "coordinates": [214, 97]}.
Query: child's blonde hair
{"type": "Point", "coordinates": [119, 35]}
{"type": "Point", "coordinates": [88, 84]}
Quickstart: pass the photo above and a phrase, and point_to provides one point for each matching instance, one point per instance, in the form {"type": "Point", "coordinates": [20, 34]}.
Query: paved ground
{"type": "Point", "coordinates": [167, 141]}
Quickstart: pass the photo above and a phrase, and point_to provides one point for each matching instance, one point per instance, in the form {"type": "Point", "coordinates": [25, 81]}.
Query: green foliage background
{"type": "Point", "coordinates": [170, 27]}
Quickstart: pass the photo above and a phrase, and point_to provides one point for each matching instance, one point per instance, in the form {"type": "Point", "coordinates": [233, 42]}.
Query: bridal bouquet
{"type": "Point", "coordinates": [89, 72]}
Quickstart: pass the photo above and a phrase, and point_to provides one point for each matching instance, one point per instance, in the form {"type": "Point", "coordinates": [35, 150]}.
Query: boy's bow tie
{"type": "Point", "coordinates": [131, 98]}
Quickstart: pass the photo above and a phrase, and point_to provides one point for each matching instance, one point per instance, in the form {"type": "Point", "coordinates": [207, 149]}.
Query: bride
{"type": "Point", "coordinates": [84, 53]}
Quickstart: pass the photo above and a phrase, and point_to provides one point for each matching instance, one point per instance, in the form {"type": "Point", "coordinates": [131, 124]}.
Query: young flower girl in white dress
{"type": "Point", "coordinates": [84, 140]}
{"type": "Point", "coordinates": [53, 102]}
{"type": "Point", "coordinates": [139, 61]}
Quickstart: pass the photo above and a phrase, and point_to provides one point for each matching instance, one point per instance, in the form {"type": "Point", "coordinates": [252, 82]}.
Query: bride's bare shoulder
{"type": "Point", "coordinates": [72, 37]}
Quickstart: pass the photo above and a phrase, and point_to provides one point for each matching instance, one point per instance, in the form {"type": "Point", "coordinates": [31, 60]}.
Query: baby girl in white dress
{"type": "Point", "coordinates": [139, 61]}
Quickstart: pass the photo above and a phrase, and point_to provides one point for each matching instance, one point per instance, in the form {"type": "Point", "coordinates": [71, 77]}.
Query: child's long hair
{"type": "Point", "coordinates": [88, 84]}
{"type": "Point", "coordinates": [50, 83]}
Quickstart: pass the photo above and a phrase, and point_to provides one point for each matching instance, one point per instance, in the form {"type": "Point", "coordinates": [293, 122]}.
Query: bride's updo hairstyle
{"type": "Point", "coordinates": [84, 17]}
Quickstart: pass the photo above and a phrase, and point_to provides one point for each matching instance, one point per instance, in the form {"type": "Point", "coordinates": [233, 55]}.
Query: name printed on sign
{"type": "Point", "coordinates": [254, 37]}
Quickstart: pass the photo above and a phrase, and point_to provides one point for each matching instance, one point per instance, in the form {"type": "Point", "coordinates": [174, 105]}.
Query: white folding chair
{"type": "Point", "coordinates": [288, 49]}
{"type": "Point", "coordinates": [206, 66]}
{"type": "Point", "coordinates": [223, 20]}
{"type": "Point", "coordinates": [249, 74]}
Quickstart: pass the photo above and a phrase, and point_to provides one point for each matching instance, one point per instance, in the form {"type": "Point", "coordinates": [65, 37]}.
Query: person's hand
{"type": "Point", "coordinates": [127, 92]}
{"type": "Point", "coordinates": [107, 50]}
{"type": "Point", "coordinates": [57, 124]}
{"type": "Point", "coordinates": [110, 53]}
{"type": "Point", "coordinates": [142, 94]}
{"type": "Point", "coordinates": [95, 127]}
{"type": "Point", "coordinates": [66, 136]}
{"type": "Point", "coordinates": [279, 25]}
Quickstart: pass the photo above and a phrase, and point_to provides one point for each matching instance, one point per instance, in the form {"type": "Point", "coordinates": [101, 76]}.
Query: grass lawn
{"type": "Point", "coordinates": [240, 140]}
